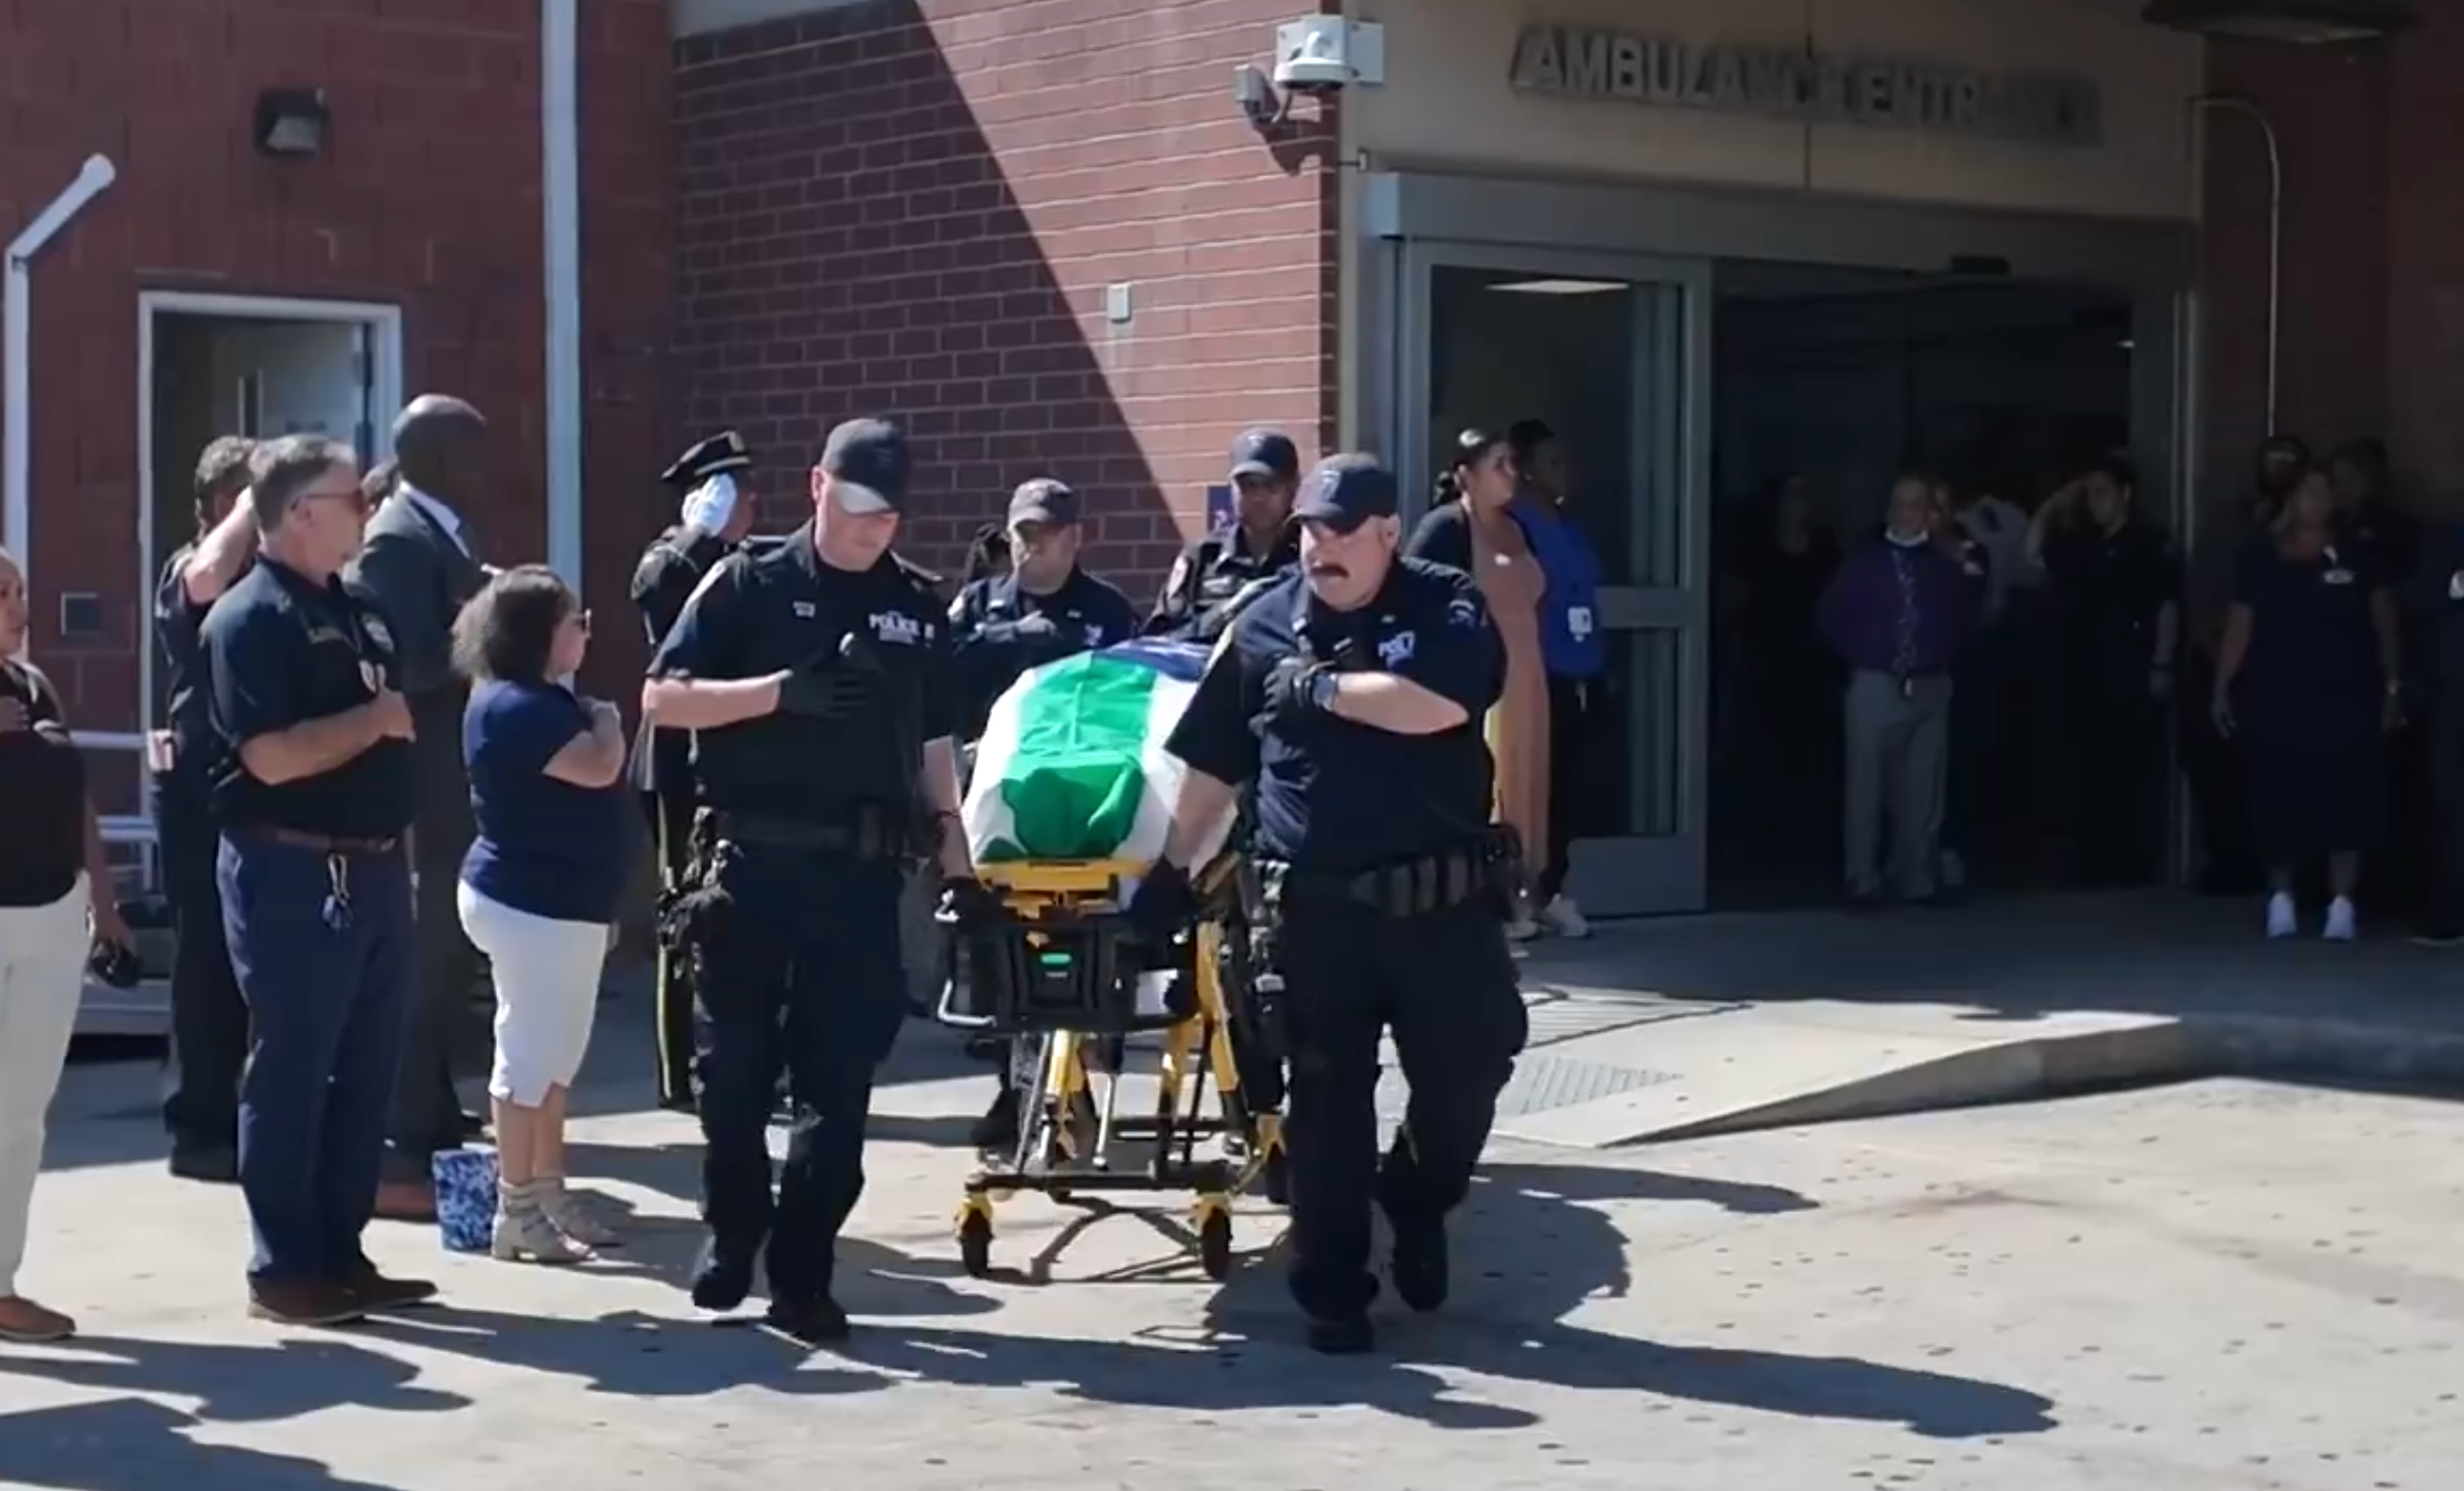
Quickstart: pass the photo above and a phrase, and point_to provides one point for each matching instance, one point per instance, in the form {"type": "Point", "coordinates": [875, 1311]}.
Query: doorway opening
{"type": "Point", "coordinates": [213, 365]}
{"type": "Point", "coordinates": [1828, 383]}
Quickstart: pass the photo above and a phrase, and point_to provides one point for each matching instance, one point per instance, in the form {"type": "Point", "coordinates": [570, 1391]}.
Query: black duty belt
{"type": "Point", "coordinates": [1413, 887]}
{"type": "Point", "coordinates": [323, 843]}
{"type": "Point", "coordinates": [869, 833]}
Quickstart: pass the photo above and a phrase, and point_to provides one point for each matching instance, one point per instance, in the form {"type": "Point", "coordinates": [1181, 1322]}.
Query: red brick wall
{"type": "Point", "coordinates": [2424, 312]}
{"type": "Point", "coordinates": [915, 206]}
{"type": "Point", "coordinates": [427, 197]}
{"type": "Point", "coordinates": [2374, 254]}
{"type": "Point", "coordinates": [2330, 112]}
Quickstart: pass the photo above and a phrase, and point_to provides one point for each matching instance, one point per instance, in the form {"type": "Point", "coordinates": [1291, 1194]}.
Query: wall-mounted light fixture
{"type": "Point", "coordinates": [2302, 22]}
{"type": "Point", "coordinates": [291, 122]}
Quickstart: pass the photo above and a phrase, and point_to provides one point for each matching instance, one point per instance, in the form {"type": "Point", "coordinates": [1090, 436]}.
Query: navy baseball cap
{"type": "Point", "coordinates": [866, 460]}
{"type": "Point", "coordinates": [1264, 452]}
{"type": "Point", "coordinates": [1346, 491]}
{"type": "Point", "coordinates": [1044, 500]}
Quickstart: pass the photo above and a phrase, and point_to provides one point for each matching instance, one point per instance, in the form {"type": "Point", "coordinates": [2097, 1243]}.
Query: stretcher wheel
{"type": "Point", "coordinates": [1215, 1244]}
{"type": "Point", "coordinates": [1277, 1181]}
{"type": "Point", "coordinates": [975, 1245]}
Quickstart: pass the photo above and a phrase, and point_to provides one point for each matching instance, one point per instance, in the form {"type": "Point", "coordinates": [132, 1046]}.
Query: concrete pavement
{"type": "Point", "coordinates": [2229, 1286]}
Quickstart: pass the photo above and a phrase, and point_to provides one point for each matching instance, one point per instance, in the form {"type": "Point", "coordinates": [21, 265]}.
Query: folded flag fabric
{"type": "Point", "coordinates": [1072, 765]}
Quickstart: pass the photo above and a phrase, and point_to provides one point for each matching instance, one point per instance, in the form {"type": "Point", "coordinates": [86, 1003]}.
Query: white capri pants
{"type": "Point", "coordinates": [546, 973]}
{"type": "Point", "coordinates": [42, 979]}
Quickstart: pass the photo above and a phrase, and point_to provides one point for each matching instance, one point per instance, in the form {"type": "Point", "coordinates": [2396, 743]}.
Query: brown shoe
{"type": "Point", "coordinates": [25, 1323]}
{"type": "Point", "coordinates": [406, 1202]}
{"type": "Point", "coordinates": [304, 1302]}
{"type": "Point", "coordinates": [379, 1292]}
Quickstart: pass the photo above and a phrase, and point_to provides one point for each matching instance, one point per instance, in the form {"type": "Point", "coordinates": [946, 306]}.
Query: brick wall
{"type": "Point", "coordinates": [915, 208]}
{"type": "Point", "coordinates": [427, 197]}
{"type": "Point", "coordinates": [2373, 307]}
{"type": "Point", "coordinates": [2330, 112]}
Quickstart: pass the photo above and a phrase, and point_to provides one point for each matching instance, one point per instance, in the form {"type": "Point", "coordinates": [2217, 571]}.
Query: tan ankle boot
{"type": "Point", "coordinates": [525, 1234]}
{"type": "Point", "coordinates": [574, 1215]}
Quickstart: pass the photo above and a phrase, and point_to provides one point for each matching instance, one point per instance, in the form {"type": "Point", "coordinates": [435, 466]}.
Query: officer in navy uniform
{"type": "Point", "coordinates": [1043, 609]}
{"type": "Point", "coordinates": [1257, 544]}
{"type": "Point", "coordinates": [313, 787]}
{"type": "Point", "coordinates": [814, 677]}
{"type": "Point", "coordinates": [717, 515]}
{"type": "Point", "coordinates": [1350, 694]}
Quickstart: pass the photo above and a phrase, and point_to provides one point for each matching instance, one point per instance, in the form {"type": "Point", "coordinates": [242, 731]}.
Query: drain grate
{"type": "Point", "coordinates": [1541, 1083]}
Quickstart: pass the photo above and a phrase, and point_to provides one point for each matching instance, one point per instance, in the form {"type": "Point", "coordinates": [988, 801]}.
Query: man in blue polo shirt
{"type": "Point", "coordinates": [1574, 651]}
{"type": "Point", "coordinates": [313, 789]}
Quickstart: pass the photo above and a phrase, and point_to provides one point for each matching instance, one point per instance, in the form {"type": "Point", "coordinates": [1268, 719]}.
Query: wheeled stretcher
{"type": "Point", "coordinates": [1059, 971]}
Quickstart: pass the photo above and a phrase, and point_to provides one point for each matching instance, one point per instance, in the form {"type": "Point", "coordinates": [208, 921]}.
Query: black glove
{"type": "Point", "coordinates": [1292, 688]}
{"type": "Point", "coordinates": [967, 901]}
{"type": "Point", "coordinates": [1165, 903]}
{"type": "Point", "coordinates": [114, 965]}
{"type": "Point", "coordinates": [833, 693]}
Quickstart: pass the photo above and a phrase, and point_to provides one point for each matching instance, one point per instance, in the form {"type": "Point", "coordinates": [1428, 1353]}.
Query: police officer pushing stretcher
{"type": "Point", "coordinates": [1350, 694]}
{"type": "Point", "coordinates": [718, 514]}
{"type": "Point", "coordinates": [815, 675]}
{"type": "Point", "coordinates": [1214, 573]}
{"type": "Point", "coordinates": [1043, 609]}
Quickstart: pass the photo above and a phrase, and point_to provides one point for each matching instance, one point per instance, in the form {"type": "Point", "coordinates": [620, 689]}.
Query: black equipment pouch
{"type": "Point", "coordinates": [695, 907]}
{"type": "Point", "coordinates": [1261, 891]}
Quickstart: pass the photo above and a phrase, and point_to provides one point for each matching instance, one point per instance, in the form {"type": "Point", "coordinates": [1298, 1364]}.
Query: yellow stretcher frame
{"type": "Point", "coordinates": [1054, 1148]}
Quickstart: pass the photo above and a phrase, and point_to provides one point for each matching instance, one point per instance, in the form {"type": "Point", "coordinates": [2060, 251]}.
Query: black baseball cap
{"type": "Point", "coordinates": [1264, 452]}
{"type": "Point", "coordinates": [1348, 491]}
{"type": "Point", "coordinates": [1044, 500]}
{"type": "Point", "coordinates": [866, 460]}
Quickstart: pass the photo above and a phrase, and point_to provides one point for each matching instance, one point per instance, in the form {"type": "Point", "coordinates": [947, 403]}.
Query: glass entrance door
{"type": "Point", "coordinates": [1613, 353]}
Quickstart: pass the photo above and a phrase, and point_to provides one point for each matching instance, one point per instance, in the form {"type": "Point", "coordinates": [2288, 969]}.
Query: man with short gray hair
{"type": "Point", "coordinates": [313, 788]}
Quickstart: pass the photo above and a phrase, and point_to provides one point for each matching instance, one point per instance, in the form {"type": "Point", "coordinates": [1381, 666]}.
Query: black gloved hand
{"type": "Point", "coordinates": [115, 964]}
{"type": "Point", "coordinates": [831, 694]}
{"type": "Point", "coordinates": [967, 901]}
{"type": "Point", "coordinates": [1165, 903]}
{"type": "Point", "coordinates": [1291, 687]}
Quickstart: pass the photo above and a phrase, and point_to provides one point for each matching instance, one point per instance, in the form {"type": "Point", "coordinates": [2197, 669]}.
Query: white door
{"type": "Point", "coordinates": [1614, 353]}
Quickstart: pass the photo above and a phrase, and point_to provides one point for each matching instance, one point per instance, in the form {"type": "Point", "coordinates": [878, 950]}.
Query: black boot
{"type": "Point", "coordinates": [722, 1277]}
{"type": "Point", "coordinates": [998, 1128]}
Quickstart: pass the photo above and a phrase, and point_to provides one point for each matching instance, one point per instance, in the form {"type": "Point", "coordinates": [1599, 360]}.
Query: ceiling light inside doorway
{"type": "Point", "coordinates": [1559, 287]}
{"type": "Point", "coordinates": [2304, 22]}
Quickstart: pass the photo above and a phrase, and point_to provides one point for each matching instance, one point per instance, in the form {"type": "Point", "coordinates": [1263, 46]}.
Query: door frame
{"type": "Point", "coordinates": [1623, 874]}
{"type": "Point", "coordinates": [383, 323]}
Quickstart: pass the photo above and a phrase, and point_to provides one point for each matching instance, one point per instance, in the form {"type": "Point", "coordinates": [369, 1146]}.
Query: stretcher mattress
{"type": "Point", "coordinates": [1072, 766]}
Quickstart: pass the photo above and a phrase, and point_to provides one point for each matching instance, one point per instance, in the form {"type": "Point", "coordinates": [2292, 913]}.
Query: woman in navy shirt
{"type": "Point", "coordinates": [2308, 682]}
{"type": "Point", "coordinates": [539, 885]}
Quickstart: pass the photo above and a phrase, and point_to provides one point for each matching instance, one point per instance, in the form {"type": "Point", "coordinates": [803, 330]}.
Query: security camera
{"type": "Point", "coordinates": [1313, 74]}
{"type": "Point", "coordinates": [1324, 55]}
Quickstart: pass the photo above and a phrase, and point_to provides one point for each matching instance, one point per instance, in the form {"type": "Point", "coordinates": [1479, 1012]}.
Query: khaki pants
{"type": "Point", "coordinates": [1898, 754]}
{"type": "Point", "coordinates": [42, 979]}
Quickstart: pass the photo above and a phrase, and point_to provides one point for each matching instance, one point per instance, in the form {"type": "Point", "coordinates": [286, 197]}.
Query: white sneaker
{"type": "Point", "coordinates": [1523, 929]}
{"type": "Point", "coordinates": [2342, 924]}
{"type": "Point", "coordinates": [1562, 916]}
{"type": "Point", "coordinates": [2282, 919]}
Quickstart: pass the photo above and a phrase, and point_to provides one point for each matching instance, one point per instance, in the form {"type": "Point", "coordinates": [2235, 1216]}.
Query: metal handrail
{"type": "Point", "coordinates": [133, 829]}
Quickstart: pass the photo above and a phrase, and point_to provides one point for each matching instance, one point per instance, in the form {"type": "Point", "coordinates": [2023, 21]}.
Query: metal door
{"type": "Point", "coordinates": [1614, 353]}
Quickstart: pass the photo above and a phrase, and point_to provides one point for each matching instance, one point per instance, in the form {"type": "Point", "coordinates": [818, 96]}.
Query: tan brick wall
{"type": "Point", "coordinates": [916, 209]}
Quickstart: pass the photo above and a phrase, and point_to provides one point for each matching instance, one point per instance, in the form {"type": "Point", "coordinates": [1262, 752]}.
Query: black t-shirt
{"type": "Point", "coordinates": [42, 794]}
{"type": "Point", "coordinates": [1331, 794]}
{"type": "Point", "coordinates": [2110, 589]}
{"type": "Point", "coordinates": [779, 610]}
{"type": "Point", "coordinates": [281, 651]}
{"type": "Point", "coordinates": [179, 629]}
{"type": "Point", "coordinates": [1210, 574]}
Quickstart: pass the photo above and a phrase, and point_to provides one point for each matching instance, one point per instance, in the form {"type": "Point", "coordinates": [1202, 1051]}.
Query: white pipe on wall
{"type": "Point", "coordinates": [560, 177]}
{"type": "Point", "coordinates": [16, 396]}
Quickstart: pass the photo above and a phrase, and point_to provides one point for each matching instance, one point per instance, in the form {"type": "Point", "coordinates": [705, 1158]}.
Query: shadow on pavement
{"type": "Point", "coordinates": [233, 1384]}
{"type": "Point", "coordinates": [1531, 1248]}
{"type": "Point", "coordinates": [129, 1444]}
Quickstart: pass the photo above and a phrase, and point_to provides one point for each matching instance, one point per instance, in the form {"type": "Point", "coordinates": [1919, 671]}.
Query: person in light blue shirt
{"type": "Point", "coordinates": [1575, 650]}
